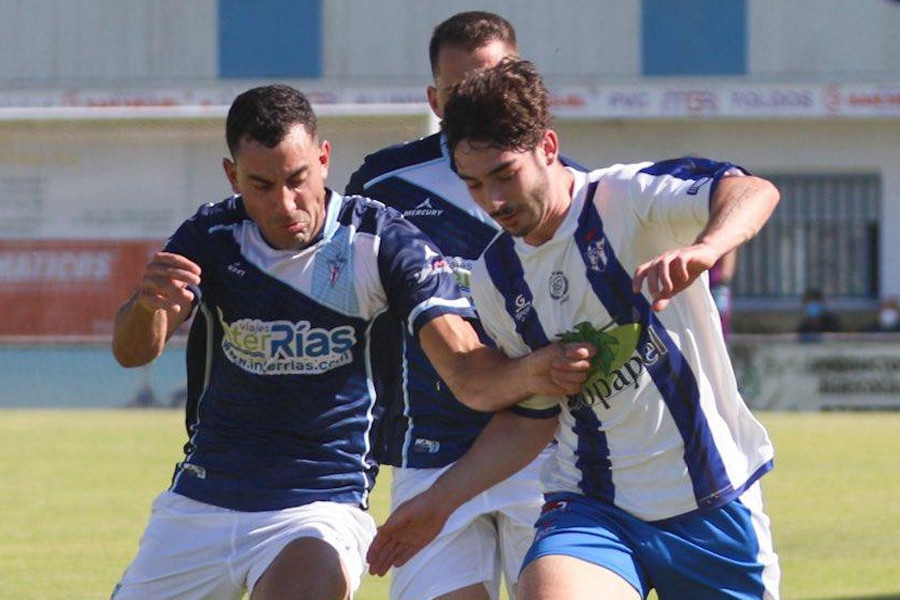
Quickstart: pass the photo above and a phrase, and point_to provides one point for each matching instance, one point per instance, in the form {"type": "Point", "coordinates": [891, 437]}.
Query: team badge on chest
{"type": "Point", "coordinates": [559, 285]}
{"type": "Point", "coordinates": [597, 257]}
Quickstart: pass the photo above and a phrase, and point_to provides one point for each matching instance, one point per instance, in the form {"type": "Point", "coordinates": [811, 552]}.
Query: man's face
{"type": "Point", "coordinates": [455, 62]}
{"type": "Point", "coordinates": [283, 187]}
{"type": "Point", "coordinates": [513, 187]}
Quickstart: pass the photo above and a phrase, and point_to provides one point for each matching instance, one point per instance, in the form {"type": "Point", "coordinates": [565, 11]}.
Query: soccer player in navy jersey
{"type": "Point", "coordinates": [424, 428]}
{"type": "Point", "coordinates": [288, 278]}
{"type": "Point", "coordinates": [654, 481]}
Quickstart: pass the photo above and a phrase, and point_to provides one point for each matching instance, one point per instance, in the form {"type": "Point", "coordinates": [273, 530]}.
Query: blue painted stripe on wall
{"type": "Point", "coordinates": [694, 37]}
{"type": "Point", "coordinates": [270, 38]}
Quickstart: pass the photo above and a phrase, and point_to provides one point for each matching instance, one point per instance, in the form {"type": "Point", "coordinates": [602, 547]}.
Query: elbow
{"type": "Point", "coordinates": [773, 194]}
{"type": "Point", "coordinates": [475, 396]}
{"type": "Point", "coordinates": [127, 357]}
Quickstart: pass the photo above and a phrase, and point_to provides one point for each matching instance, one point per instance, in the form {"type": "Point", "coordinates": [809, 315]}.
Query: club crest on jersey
{"type": "Point", "coordinates": [596, 255]}
{"type": "Point", "coordinates": [423, 209]}
{"type": "Point", "coordinates": [286, 348]}
{"type": "Point", "coordinates": [559, 285]}
{"type": "Point", "coordinates": [335, 266]}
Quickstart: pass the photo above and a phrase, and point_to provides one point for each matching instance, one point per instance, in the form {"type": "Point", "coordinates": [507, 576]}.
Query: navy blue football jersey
{"type": "Point", "coordinates": [285, 359]}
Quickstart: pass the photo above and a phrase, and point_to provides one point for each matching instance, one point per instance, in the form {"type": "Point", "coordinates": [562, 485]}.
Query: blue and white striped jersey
{"type": "Point", "coordinates": [423, 425]}
{"type": "Point", "coordinates": [285, 363]}
{"type": "Point", "coordinates": [664, 432]}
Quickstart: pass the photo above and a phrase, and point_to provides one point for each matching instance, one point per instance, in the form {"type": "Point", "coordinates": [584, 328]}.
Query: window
{"type": "Point", "coordinates": [824, 234]}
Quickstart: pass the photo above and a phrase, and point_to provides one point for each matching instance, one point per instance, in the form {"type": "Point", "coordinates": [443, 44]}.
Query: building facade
{"type": "Point", "coordinates": [111, 118]}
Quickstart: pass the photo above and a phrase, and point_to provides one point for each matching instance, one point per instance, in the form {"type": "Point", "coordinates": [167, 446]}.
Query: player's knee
{"type": "Point", "coordinates": [306, 569]}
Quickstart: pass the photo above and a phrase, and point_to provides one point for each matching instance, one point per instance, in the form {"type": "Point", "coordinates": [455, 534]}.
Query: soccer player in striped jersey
{"type": "Point", "coordinates": [654, 483]}
{"type": "Point", "coordinates": [425, 428]}
{"type": "Point", "coordinates": [288, 278]}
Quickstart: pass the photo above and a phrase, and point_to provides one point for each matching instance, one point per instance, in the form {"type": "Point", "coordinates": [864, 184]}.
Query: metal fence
{"type": "Point", "coordinates": [824, 234]}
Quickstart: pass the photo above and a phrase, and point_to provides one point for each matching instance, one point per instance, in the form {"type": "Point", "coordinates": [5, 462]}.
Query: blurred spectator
{"type": "Point", "coordinates": [720, 276]}
{"type": "Point", "coordinates": [888, 315]}
{"type": "Point", "coordinates": [816, 316]}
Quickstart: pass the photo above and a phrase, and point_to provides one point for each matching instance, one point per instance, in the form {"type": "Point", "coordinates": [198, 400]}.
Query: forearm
{"type": "Point", "coordinates": [506, 445]}
{"type": "Point", "coordinates": [739, 208]}
{"type": "Point", "coordinates": [487, 380]}
{"type": "Point", "coordinates": [139, 334]}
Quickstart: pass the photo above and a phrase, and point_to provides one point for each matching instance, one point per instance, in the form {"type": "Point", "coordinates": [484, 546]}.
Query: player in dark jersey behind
{"type": "Point", "coordinates": [425, 429]}
{"type": "Point", "coordinates": [289, 277]}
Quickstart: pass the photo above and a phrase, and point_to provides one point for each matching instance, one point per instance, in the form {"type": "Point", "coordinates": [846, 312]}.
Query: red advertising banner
{"type": "Point", "coordinates": [67, 288]}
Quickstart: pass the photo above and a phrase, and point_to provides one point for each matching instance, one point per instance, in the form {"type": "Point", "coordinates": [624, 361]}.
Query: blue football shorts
{"type": "Point", "coordinates": [723, 553]}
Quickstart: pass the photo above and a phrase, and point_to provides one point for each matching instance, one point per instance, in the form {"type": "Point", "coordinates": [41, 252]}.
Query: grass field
{"type": "Point", "coordinates": [76, 487]}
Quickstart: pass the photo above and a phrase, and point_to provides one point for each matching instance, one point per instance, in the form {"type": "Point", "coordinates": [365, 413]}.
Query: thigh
{"type": "Point", "coordinates": [560, 577]}
{"type": "Point", "coordinates": [327, 539]}
{"type": "Point", "coordinates": [452, 561]}
{"type": "Point", "coordinates": [306, 569]}
{"type": "Point", "coordinates": [593, 536]}
{"type": "Point", "coordinates": [184, 554]}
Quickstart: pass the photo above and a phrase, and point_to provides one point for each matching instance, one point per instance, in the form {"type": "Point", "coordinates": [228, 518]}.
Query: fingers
{"type": "Point", "coordinates": [579, 352]}
{"type": "Point", "coordinates": [570, 366]}
{"type": "Point", "coordinates": [382, 554]}
{"type": "Point", "coordinates": [165, 283]}
{"type": "Point", "coordinates": [667, 275]}
{"type": "Point", "coordinates": [392, 549]}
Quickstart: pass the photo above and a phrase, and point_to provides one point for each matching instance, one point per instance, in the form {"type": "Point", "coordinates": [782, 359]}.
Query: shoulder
{"type": "Point", "coordinates": [688, 168]}
{"type": "Point", "coordinates": [366, 215]}
{"type": "Point", "coordinates": [215, 216]}
{"type": "Point", "coordinates": [229, 210]}
{"type": "Point", "coordinates": [201, 232]}
{"type": "Point", "coordinates": [396, 158]}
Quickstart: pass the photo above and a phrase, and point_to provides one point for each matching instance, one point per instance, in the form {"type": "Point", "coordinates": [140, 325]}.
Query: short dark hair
{"type": "Point", "coordinates": [506, 107]}
{"type": "Point", "coordinates": [266, 114]}
{"type": "Point", "coordinates": [470, 30]}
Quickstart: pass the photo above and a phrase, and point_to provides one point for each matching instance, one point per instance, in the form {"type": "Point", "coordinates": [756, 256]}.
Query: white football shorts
{"type": "Point", "coordinates": [486, 536]}
{"type": "Point", "coordinates": [196, 551]}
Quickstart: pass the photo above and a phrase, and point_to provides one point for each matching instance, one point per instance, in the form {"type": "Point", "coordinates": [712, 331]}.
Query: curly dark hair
{"type": "Point", "coordinates": [506, 107]}
{"type": "Point", "coordinates": [470, 30]}
{"type": "Point", "coordinates": [266, 114]}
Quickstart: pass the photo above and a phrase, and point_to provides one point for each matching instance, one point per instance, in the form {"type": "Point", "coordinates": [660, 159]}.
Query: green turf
{"type": "Point", "coordinates": [76, 487]}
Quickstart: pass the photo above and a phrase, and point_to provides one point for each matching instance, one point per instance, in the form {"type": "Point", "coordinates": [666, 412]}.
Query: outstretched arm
{"type": "Point", "coordinates": [485, 379]}
{"type": "Point", "coordinates": [158, 307]}
{"type": "Point", "coordinates": [739, 208]}
{"type": "Point", "coordinates": [506, 445]}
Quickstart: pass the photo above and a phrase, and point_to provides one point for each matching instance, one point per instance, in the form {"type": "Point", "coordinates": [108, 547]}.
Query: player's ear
{"type": "Point", "coordinates": [550, 146]}
{"type": "Point", "coordinates": [231, 174]}
{"type": "Point", "coordinates": [433, 101]}
{"type": "Point", "coordinates": [325, 157]}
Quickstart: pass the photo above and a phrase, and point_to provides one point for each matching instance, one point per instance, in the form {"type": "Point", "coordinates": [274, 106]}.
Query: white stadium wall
{"type": "Point", "coordinates": [111, 113]}
{"type": "Point", "coordinates": [140, 43]}
{"type": "Point", "coordinates": [587, 39]}
{"type": "Point", "coordinates": [815, 39]}
{"type": "Point", "coordinates": [95, 42]}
